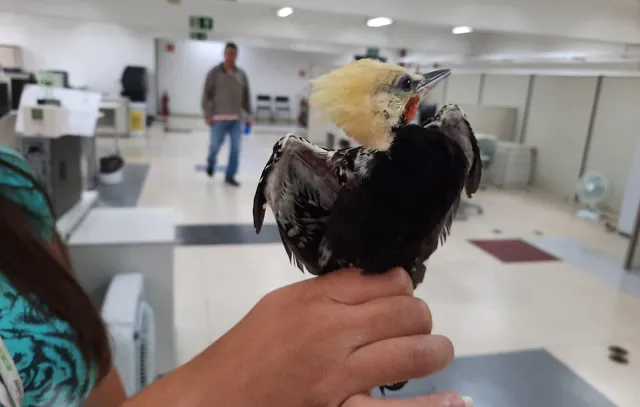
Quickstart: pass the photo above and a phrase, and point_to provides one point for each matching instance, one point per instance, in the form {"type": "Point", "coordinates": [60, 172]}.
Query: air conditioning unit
{"type": "Point", "coordinates": [511, 165]}
{"type": "Point", "coordinates": [131, 327]}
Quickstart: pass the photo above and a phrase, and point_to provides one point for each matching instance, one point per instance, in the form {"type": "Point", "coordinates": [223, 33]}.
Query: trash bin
{"type": "Point", "coordinates": [137, 119]}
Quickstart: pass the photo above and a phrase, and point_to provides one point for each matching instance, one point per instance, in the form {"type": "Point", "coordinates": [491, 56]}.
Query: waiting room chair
{"type": "Point", "coordinates": [264, 106]}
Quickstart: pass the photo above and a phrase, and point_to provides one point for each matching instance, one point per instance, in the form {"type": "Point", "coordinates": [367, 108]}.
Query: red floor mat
{"type": "Point", "coordinates": [513, 250]}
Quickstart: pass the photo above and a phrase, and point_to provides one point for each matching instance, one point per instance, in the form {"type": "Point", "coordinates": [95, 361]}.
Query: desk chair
{"type": "Point", "coordinates": [487, 147]}
{"type": "Point", "coordinates": [264, 105]}
{"type": "Point", "coordinates": [283, 108]}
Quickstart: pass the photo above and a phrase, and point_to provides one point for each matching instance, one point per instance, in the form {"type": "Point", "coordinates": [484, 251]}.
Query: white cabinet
{"type": "Point", "coordinates": [111, 241]}
{"type": "Point", "coordinates": [511, 165]}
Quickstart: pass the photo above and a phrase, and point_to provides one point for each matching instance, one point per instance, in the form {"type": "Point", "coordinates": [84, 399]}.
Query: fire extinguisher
{"type": "Point", "coordinates": [164, 109]}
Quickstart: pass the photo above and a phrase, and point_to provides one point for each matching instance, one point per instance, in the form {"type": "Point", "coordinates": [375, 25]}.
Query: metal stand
{"type": "Point", "coordinates": [461, 214]}
{"type": "Point", "coordinates": [632, 259]}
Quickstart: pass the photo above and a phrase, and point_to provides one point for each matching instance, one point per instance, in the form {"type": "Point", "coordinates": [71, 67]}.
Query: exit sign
{"type": "Point", "coordinates": [200, 36]}
{"type": "Point", "coordinates": [199, 23]}
{"type": "Point", "coordinates": [373, 52]}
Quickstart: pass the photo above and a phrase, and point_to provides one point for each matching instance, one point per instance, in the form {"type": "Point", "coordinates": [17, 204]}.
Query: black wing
{"type": "Point", "coordinates": [300, 183]}
{"type": "Point", "coordinates": [409, 198]}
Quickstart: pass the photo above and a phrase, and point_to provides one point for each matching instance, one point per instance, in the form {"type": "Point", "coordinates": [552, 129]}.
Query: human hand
{"type": "Point", "coordinates": [326, 342]}
{"type": "Point", "coordinates": [209, 121]}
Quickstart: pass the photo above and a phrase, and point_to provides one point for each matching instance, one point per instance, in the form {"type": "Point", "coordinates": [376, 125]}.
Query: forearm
{"type": "Point", "coordinates": [187, 386]}
{"type": "Point", "coordinates": [109, 393]}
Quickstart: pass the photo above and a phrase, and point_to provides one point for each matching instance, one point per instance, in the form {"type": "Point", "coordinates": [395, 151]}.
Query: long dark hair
{"type": "Point", "coordinates": [45, 278]}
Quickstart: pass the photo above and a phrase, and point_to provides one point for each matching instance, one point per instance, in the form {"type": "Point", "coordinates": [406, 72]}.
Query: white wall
{"type": "Point", "coordinates": [93, 53]}
{"type": "Point", "coordinates": [463, 89]}
{"type": "Point", "coordinates": [557, 126]}
{"type": "Point", "coordinates": [271, 71]}
{"type": "Point", "coordinates": [437, 94]}
{"type": "Point", "coordinates": [507, 91]}
{"type": "Point", "coordinates": [616, 130]}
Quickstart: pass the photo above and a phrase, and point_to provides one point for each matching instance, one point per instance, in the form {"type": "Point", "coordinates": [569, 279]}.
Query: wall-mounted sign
{"type": "Point", "coordinates": [200, 27]}
{"type": "Point", "coordinates": [373, 52]}
{"type": "Point", "coordinates": [198, 35]}
{"type": "Point", "coordinates": [199, 23]}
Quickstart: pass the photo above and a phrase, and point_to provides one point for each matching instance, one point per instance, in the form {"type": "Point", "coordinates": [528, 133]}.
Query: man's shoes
{"type": "Point", "coordinates": [210, 171]}
{"type": "Point", "coordinates": [232, 182]}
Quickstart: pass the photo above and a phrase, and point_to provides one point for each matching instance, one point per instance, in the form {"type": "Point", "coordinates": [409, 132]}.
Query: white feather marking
{"type": "Point", "coordinates": [325, 255]}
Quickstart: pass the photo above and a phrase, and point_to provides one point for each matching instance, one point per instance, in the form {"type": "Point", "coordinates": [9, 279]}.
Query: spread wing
{"type": "Point", "coordinates": [410, 199]}
{"type": "Point", "coordinates": [300, 184]}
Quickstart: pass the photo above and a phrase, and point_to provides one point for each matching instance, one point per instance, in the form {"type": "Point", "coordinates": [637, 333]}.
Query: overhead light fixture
{"type": "Point", "coordinates": [379, 22]}
{"type": "Point", "coordinates": [285, 12]}
{"type": "Point", "coordinates": [463, 29]}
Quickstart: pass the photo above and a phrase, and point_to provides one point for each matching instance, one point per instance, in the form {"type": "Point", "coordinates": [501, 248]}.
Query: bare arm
{"type": "Point", "coordinates": [273, 357]}
{"type": "Point", "coordinates": [187, 386]}
{"type": "Point", "coordinates": [109, 393]}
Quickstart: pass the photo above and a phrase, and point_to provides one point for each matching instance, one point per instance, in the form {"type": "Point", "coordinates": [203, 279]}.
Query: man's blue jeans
{"type": "Point", "coordinates": [219, 130]}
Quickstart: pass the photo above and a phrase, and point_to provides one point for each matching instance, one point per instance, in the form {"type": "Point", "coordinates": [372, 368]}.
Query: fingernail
{"type": "Point", "coordinates": [464, 401]}
{"type": "Point", "coordinates": [468, 401]}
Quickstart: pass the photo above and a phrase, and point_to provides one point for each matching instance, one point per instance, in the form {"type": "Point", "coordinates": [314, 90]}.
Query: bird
{"type": "Point", "coordinates": [389, 202]}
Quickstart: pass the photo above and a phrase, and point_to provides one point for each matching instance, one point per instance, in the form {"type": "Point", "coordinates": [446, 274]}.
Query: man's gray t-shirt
{"type": "Point", "coordinates": [226, 94]}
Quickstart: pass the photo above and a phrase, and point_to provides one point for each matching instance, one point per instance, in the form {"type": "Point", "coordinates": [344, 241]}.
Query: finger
{"type": "Point", "coordinates": [433, 400]}
{"type": "Point", "coordinates": [397, 360]}
{"type": "Point", "coordinates": [389, 317]}
{"type": "Point", "coordinates": [351, 287]}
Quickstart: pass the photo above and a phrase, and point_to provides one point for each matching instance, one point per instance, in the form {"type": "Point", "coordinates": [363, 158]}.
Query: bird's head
{"type": "Point", "coordinates": [368, 99]}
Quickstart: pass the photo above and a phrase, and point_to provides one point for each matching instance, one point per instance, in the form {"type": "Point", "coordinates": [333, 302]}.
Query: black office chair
{"type": "Point", "coordinates": [283, 107]}
{"type": "Point", "coordinates": [264, 105]}
{"type": "Point", "coordinates": [426, 112]}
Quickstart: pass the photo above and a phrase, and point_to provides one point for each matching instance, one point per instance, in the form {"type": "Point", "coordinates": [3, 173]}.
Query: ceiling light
{"type": "Point", "coordinates": [379, 22]}
{"type": "Point", "coordinates": [285, 12]}
{"type": "Point", "coordinates": [463, 29]}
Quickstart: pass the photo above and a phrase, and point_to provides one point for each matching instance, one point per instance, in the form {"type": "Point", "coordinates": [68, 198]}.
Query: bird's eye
{"type": "Point", "coordinates": [405, 83]}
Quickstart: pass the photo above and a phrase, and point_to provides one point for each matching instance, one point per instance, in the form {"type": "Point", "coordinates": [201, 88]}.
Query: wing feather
{"type": "Point", "coordinates": [300, 183]}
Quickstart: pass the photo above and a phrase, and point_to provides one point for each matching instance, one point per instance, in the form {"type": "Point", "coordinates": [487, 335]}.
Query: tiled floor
{"type": "Point", "coordinates": [518, 379]}
{"type": "Point", "coordinates": [484, 305]}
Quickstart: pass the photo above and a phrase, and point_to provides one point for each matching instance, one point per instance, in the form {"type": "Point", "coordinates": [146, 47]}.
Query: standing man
{"type": "Point", "coordinates": [226, 103]}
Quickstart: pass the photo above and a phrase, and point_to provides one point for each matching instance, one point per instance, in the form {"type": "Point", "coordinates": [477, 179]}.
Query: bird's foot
{"type": "Point", "coordinates": [392, 387]}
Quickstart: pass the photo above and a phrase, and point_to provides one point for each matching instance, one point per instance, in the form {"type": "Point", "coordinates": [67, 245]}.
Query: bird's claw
{"type": "Point", "coordinates": [392, 387]}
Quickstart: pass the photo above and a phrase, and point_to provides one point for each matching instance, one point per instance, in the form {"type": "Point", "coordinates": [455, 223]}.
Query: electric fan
{"type": "Point", "coordinates": [591, 191]}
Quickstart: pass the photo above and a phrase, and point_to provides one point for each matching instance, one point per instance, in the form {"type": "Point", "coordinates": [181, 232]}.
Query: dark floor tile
{"type": "Point", "coordinates": [513, 250]}
{"type": "Point", "coordinates": [532, 378]}
{"type": "Point", "coordinates": [126, 193]}
{"type": "Point", "coordinates": [194, 235]}
{"type": "Point", "coordinates": [203, 168]}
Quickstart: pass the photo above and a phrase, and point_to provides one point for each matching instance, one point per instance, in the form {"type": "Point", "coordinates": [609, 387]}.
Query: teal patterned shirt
{"type": "Point", "coordinates": [45, 352]}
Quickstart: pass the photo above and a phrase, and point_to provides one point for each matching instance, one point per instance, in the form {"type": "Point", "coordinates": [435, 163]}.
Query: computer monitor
{"type": "Point", "coordinates": [18, 82]}
{"type": "Point", "coordinates": [5, 102]}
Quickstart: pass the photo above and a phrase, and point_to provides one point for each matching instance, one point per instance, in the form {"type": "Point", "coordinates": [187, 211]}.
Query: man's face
{"type": "Point", "coordinates": [230, 55]}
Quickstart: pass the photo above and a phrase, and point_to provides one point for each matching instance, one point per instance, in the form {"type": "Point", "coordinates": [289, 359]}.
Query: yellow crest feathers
{"type": "Point", "coordinates": [349, 97]}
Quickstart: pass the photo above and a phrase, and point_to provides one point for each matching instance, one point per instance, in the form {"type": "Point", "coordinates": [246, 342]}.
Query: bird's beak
{"type": "Point", "coordinates": [431, 80]}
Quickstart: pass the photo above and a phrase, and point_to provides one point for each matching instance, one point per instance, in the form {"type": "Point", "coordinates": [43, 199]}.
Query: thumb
{"type": "Point", "coordinates": [434, 400]}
